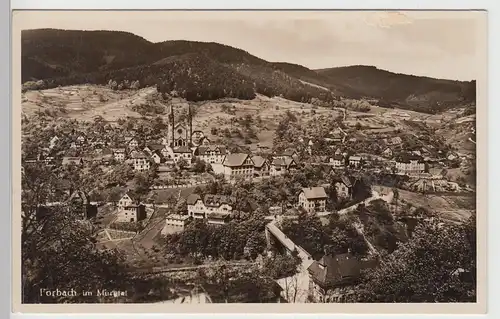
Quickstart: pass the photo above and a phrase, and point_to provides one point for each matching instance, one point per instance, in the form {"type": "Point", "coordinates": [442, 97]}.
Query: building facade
{"type": "Point", "coordinates": [131, 213]}
{"type": "Point", "coordinates": [238, 165]}
{"type": "Point", "coordinates": [313, 199]}
{"type": "Point", "coordinates": [140, 161]}
{"type": "Point", "coordinates": [211, 154]}
{"type": "Point", "coordinates": [410, 164]}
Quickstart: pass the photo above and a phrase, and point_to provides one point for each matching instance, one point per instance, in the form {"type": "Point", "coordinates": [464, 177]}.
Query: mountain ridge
{"type": "Point", "coordinates": [66, 57]}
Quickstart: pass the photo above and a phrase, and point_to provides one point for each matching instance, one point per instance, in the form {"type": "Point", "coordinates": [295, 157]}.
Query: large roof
{"type": "Point", "coordinates": [331, 270]}
{"type": "Point", "coordinates": [258, 161]}
{"type": "Point", "coordinates": [406, 158]}
{"type": "Point", "coordinates": [210, 200]}
{"type": "Point", "coordinates": [314, 192]}
{"type": "Point", "coordinates": [182, 149]}
{"type": "Point", "coordinates": [155, 147]}
{"type": "Point", "coordinates": [202, 150]}
{"type": "Point", "coordinates": [235, 159]}
{"type": "Point", "coordinates": [283, 161]}
{"type": "Point", "coordinates": [137, 155]}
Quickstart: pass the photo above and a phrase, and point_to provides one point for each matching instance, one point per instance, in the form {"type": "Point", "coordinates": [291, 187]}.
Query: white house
{"type": "Point", "coordinates": [313, 199]}
{"type": "Point", "coordinates": [281, 165]}
{"type": "Point", "coordinates": [126, 200]}
{"type": "Point", "coordinates": [410, 164]}
{"type": "Point", "coordinates": [355, 161]}
{"type": "Point", "coordinates": [183, 152]}
{"type": "Point", "coordinates": [152, 148]}
{"type": "Point", "coordinates": [343, 187]}
{"type": "Point", "coordinates": [119, 154]}
{"type": "Point", "coordinates": [261, 167]}
{"type": "Point", "coordinates": [337, 161]}
{"type": "Point", "coordinates": [387, 153]}
{"type": "Point", "coordinates": [209, 205]}
{"type": "Point", "coordinates": [238, 165]}
{"type": "Point", "coordinates": [157, 157]}
{"type": "Point", "coordinates": [175, 222]}
{"type": "Point", "coordinates": [131, 213]}
{"type": "Point", "coordinates": [140, 161]}
{"type": "Point", "coordinates": [213, 154]}
{"type": "Point", "coordinates": [133, 143]}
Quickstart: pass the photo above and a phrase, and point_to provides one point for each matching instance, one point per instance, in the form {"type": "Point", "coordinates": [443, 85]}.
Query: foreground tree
{"type": "Point", "coordinates": [437, 265]}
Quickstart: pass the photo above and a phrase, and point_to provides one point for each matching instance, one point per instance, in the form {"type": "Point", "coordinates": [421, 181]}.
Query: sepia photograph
{"type": "Point", "coordinates": [248, 157]}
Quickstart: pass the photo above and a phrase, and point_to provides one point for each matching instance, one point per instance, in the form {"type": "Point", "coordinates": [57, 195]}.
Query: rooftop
{"type": "Point", "coordinates": [287, 161]}
{"type": "Point", "coordinates": [258, 160]}
{"type": "Point", "coordinates": [178, 217]}
{"type": "Point", "coordinates": [332, 270]}
{"type": "Point", "coordinates": [182, 149]}
{"type": "Point", "coordinates": [235, 159]}
{"type": "Point", "coordinates": [314, 192]}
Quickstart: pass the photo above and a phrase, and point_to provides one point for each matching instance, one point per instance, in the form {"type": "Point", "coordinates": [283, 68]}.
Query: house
{"type": "Point", "coordinates": [337, 161]}
{"type": "Point", "coordinates": [53, 141]}
{"type": "Point", "coordinates": [336, 136]}
{"type": "Point", "coordinates": [410, 164]}
{"type": "Point", "coordinates": [80, 139]}
{"type": "Point", "coordinates": [331, 277]}
{"type": "Point", "coordinates": [80, 203]}
{"type": "Point", "coordinates": [175, 222]}
{"type": "Point", "coordinates": [140, 161]}
{"type": "Point", "coordinates": [211, 154]}
{"type": "Point", "coordinates": [132, 143]}
{"type": "Point", "coordinates": [288, 153]}
{"type": "Point", "coordinates": [338, 151]}
{"type": "Point", "coordinates": [218, 218]}
{"type": "Point", "coordinates": [238, 165]}
{"type": "Point", "coordinates": [126, 200]}
{"type": "Point", "coordinates": [152, 148]}
{"type": "Point", "coordinates": [387, 153]}
{"type": "Point", "coordinates": [355, 161]}
{"type": "Point", "coordinates": [131, 213]}
{"type": "Point", "coordinates": [261, 166]}
{"type": "Point", "coordinates": [182, 152]}
{"type": "Point", "coordinates": [158, 157]}
{"type": "Point", "coordinates": [281, 165]}
{"type": "Point", "coordinates": [72, 161]}
{"type": "Point", "coordinates": [73, 145]}
{"type": "Point", "coordinates": [393, 141]}
{"type": "Point", "coordinates": [313, 199]}
{"type": "Point", "coordinates": [343, 187]}
{"type": "Point", "coordinates": [119, 154]}
{"type": "Point", "coordinates": [205, 141]}
{"type": "Point", "coordinates": [105, 157]}
{"type": "Point", "coordinates": [202, 208]}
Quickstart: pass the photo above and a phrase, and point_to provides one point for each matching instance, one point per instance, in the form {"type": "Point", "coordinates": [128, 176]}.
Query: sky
{"type": "Point", "coordinates": [443, 44]}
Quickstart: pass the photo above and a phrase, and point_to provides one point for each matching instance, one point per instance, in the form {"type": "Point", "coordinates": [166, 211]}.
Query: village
{"type": "Point", "coordinates": [155, 188]}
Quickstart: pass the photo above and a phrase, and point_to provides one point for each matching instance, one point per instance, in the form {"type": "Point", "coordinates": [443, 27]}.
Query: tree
{"type": "Point", "coordinates": [142, 185]}
{"type": "Point", "coordinates": [395, 197]}
{"type": "Point", "coordinates": [281, 266]}
{"type": "Point", "coordinates": [182, 163]}
{"type": "Point", "coordinates": [437, 265]}
{"type": "Point", "coordinates": [57, 250]}
{"type": "Point", "coordinates": [254, 244]}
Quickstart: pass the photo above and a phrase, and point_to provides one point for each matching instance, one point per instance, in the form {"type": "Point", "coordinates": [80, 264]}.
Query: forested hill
{"type": "Point", "coordinates": [201, 70]}
{"type": "Point", "coordinates": [400, 89]}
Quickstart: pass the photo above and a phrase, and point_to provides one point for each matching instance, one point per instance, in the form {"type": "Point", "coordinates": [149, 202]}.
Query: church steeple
{"type": "Point", "coordinates": [190, 125]}
{"type": "Point", "coordinates": [172, 125]}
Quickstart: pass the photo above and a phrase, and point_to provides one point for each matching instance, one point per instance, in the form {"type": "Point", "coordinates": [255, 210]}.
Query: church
{"type": "Point", "coordinates": [181, 135]}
